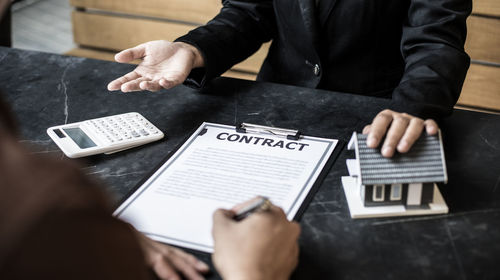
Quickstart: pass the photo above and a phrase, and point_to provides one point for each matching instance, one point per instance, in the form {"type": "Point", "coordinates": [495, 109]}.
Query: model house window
{"type": "Point", "coordinates": [378, 192]}
{"type": "Point", "coordinates": [396, 190]}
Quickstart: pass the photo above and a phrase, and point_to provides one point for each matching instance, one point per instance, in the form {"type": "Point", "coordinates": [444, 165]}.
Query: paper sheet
{"type": "Point", "coordinates": [218, 168]}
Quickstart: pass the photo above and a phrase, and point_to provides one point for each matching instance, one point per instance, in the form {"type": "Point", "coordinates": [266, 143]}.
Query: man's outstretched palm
{"type": "Point", "coordinates": [164, 65]}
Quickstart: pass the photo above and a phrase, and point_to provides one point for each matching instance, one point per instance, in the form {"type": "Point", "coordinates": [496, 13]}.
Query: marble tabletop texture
{"type": "Point", "coordinates": [47, 89]}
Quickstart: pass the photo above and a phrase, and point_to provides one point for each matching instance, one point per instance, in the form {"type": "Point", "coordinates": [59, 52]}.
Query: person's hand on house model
{"type": "Point", "coordinates": [262, 246]}
{"type": "Point", "coordinates": [164, 65]}
{"type": "Point", "coordinates": [400, 130]}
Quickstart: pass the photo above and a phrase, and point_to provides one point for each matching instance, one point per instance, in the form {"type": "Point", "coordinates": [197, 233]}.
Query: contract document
{"type": "Point", "coordinates": [218, 167]}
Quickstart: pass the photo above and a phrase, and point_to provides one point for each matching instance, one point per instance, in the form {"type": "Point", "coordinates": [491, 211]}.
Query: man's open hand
{"type": "Point", "coordinates": [402, 131]}
{"type": "Point", "coordinates": [164, 65]}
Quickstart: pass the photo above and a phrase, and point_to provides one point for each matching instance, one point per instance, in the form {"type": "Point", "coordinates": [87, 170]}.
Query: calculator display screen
{"type": "Point", "coordinates": [80, 138]}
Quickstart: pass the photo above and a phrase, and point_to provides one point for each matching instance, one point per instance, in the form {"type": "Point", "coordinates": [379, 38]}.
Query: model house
{"type": "Point", "coordinates": [405, 180]}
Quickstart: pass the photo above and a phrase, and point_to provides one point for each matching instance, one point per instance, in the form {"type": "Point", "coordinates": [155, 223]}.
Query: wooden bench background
{"type": "Point", "coordinates": [103, 27]}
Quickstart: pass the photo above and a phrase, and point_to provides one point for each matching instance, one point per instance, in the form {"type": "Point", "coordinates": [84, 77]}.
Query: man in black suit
{"type": "Point", "coordinates": [408, 50]}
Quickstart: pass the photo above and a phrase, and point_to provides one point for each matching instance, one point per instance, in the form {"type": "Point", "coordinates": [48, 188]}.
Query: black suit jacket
{"type": "Point", "coordinates": [408, 50]}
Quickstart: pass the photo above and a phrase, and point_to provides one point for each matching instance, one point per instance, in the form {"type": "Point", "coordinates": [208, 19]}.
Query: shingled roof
{"type": "Point", "coordinates": [424, 163]}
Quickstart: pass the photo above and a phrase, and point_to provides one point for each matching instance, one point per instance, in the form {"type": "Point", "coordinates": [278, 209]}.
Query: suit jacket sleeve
{"type": "Point", "coordinates": [234, 34]}
{"type": "Point", "coordinates": [433, 49]}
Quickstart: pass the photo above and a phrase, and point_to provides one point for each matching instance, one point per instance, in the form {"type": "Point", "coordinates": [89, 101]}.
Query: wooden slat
{"type": "Point", "coordinates": [117, 33]}
{"type": "Point", "coordinates": [486, 7]}
{"type": "Point", "coordinates": [483, 39]}
{"type": "Point", "coordinates": [253, 63]}
{"type": "Point", "coordinates": [482, 87]}
{"type": "Point", "coordinates": [240, 75]}
{"type": "Point", "coordinates": [201, 11]}
{"type": "Point", "coordinates": [487, 111]}
{"type": "Point", "coordinates": [196, 11]}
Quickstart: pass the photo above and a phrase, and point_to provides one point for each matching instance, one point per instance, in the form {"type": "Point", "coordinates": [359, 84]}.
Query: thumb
{"type": "Point", "coordinates": [222, 219]}
{"type": "Point", "coordinates": [128, 55]}
{"type": "Point", "coordinates": [431, 127]}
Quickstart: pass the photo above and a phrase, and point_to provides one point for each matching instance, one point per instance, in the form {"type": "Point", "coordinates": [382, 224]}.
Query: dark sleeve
{"type": "Point", "coordinates": [436, 64]}
{"type": "Point", "coordinates": [234, 34]}
{"type": "Point", "coordinates": [78, 245]}
{"type": "Point", "coordinates": [6, 120]}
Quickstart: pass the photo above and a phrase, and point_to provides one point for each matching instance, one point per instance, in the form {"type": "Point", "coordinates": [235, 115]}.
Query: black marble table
{"type": "Point", "coordinates": [46, 90]}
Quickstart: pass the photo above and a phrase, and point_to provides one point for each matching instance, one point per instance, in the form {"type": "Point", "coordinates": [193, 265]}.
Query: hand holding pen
{"type": "Point", "coordinates": [245, 209]}
{"type": "Point", "coordinates": [265, 239]}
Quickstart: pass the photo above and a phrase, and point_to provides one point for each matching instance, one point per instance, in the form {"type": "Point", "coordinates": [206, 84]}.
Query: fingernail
{"type": "Point", "coordinates": [387, 151]}
{"type": "Point", "coordinates": [431, 131]}
{"type": "Point", "coordinates": [403, 145]}
{"type": "Point", "coordinates": [371, 141]}
{"type": "Point", "coordinates": [166, 84]}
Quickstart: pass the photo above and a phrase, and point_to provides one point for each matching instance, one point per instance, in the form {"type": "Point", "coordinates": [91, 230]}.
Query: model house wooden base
{"type": "Point", "coordinates": [402, 185]}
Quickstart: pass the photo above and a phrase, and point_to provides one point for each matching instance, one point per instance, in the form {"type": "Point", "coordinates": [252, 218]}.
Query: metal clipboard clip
{"type": "Point", "coordinates": [290, 134]}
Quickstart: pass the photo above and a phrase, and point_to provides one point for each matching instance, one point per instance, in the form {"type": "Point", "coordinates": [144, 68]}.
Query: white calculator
{"type": "Point", "coordinates": [104, 135]}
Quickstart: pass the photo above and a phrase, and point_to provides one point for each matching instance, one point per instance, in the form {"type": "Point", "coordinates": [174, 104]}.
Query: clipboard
{"type": "Point", "coordinates": [174, 205]}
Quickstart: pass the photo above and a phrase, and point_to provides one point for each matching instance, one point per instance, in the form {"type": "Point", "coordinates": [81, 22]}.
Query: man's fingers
{"type": "Point", "coordinates": [378, 128]}
{"type": "Point", "coordinates": [431, 127]}
{"type": "Point", "coordinates": [277, 211]}
{"type": "Point", "coordinates": [173, 79]}
{"type": "Point", "coordinates": [116, 84]}
{"type": "Point", "coordinates": [223, 216]}
{"type": "Point", "coordinates": [411, 135]}
{"type": "Point", "coordinates": [164, 269]}
{"type": "Point", "coordinates": [222, 219]}
{"type": "Point", "coordinates": [166, 84]}
{"type": "Point", "coordinates": [132, 85]}
{"type": "Point", "coordinates": [131, 54]}
{"type": "Point", "coordinates": [244, 204]}
{"type": "Point", "coordinates": [185, 267]}
{"type": "Point", "coordinates": [396, 131]}
{"type": "Point", "coordinates": [150, 85]}
{"type": "Point", "coordinates": [192, 260]}
{"type": "Point", "coordinates": [367, 129]}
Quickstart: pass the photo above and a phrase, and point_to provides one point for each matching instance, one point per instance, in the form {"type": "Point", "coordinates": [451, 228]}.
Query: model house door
{"type": "Point", "coordinates": [414, 194]}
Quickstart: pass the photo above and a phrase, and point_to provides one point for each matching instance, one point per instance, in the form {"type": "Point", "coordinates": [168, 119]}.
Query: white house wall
{"type": "Point", "coordinates": [353, 167]}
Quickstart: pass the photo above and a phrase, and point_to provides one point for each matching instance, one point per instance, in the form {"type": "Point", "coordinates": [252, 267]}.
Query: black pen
{"type": "Point", "coordinates": [260, 204]}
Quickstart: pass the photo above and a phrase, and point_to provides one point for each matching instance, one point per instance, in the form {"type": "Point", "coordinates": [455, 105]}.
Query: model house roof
{"type": "Point", "coordinates": [424, 163]}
